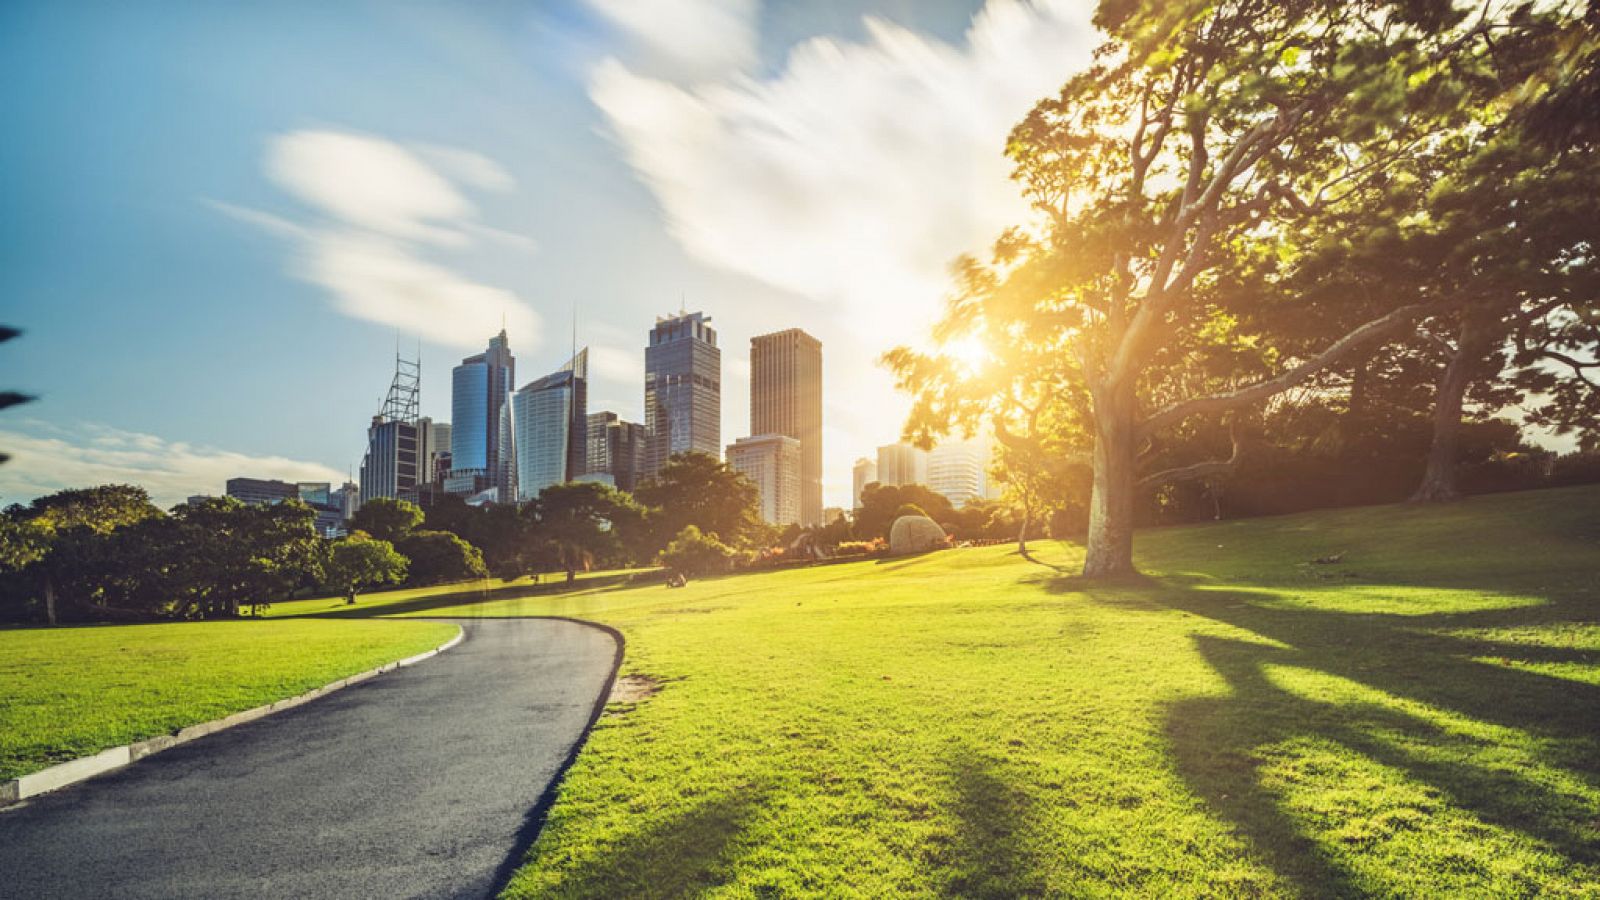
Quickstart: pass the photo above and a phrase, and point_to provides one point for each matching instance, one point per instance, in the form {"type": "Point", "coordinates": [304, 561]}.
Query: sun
{"type": "Point", "coordinates": [969, 353]}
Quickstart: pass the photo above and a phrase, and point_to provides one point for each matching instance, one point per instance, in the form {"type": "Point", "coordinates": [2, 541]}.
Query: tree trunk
{"type": "Point", "coordinates": [350, 597]}
{"type": "Point", "coordinates": [572, 575]}
{"type": "Point", "coordinates": [50, 599]}
{"type": "Point", "coordinates": [1439, 480]}
{"type": "Point", "coordinates": [1109, 549]}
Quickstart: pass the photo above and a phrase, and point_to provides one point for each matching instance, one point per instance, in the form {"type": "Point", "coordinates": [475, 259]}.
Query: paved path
{"type": "Point", "coordinates": [418, 783]}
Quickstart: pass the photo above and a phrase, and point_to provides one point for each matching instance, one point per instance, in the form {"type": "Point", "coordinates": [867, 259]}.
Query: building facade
{"type": "Point", "coordinates": [615, 448]}
{"type": "Point", "coordinates": [389, 468]}
{"type": "Point", "coordinates": [772, 462]}
{"type": "Point", "coordinates": [786, 398]}
{"type": "Point", "coordinates": [863, 473]}
{"type": "Point", "coordinates": [261, 491]}
{"type": "Point", "coordinates": [956, 470]}
{"type": "Point", "coordinates": [682, 389]}
{"type": "Point", "coordinates": [902, 464]}
{"type": "Point", "coordinates": [480, 419]}
{"type": "Point", "coordinates": [433, 448]}
{"type": "Point", "coordinates": [551, 428]}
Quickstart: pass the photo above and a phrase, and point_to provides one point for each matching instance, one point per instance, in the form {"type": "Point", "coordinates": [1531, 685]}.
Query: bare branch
{"type": "Point", "coordinates": [1261, 390]}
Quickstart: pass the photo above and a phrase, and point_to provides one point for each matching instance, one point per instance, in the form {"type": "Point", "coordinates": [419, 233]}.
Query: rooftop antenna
{"type": "Point", "coordinates": [574, 330]}
{"type": "Point", "coordinates": [682, 309]}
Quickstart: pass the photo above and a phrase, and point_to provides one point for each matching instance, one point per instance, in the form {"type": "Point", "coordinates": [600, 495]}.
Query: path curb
{"type": "Point", "coordinates": [85, 767]}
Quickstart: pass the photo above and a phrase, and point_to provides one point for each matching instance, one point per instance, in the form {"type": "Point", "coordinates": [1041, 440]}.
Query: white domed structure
{"type": "Point", "coordinates": [914, 534]}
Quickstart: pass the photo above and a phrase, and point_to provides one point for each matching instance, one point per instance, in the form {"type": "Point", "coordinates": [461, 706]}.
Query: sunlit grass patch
{"type": "Point", "coordinates": [70, 692]}
{"type": "Point", "coordinates": [966, 723]}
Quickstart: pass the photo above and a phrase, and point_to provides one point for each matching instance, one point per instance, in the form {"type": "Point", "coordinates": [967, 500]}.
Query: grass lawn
{"type": "Point", "coordinates": [1421, 719]}
{"type": "Point", "coordinates": [70, 692]}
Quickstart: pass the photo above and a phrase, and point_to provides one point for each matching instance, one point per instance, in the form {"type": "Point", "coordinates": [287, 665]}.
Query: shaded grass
{"type": "Point", "coordinates": [1422, 719]}
{"type": "Point", "coordinates": [70, 692]}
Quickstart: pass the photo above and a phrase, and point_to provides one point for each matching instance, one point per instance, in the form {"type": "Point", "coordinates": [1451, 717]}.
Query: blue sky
{"type": "Point", "coordinates": [219, 217]}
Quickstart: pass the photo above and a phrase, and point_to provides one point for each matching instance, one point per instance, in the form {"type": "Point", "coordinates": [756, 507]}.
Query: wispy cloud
{"type": "Point", "coordinates": [686, 40]}
{"type": "Point", "coordinates": [47, 458]}
{"type": "Point", "coordinates": [377, 206]}
{"type": "Point", "coordinates": [858, 172]}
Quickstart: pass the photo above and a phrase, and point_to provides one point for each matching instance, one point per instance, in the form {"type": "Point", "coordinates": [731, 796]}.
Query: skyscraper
{"type": "Point", "coordinates": [901, 464]}
{"type": "Point", "coordinates": [682, 388]}
{"type": "Point", "coordinates": [480, 419]}
{"type": "Point", "coordinates": [389, 468]}
{"type": "Point", "coordinates": [786, 398]}
{"type": "Point", "coordinates": [433, 444]}
{"type": "Point", "coordinates": [772, 462]}
{"type": "Point", "coordinates": [956, 470]}
{"type": "Point", "coordinates": [864, 473]}
{"type": "Point", "coordinates": [551, 427]}
{"type": "Point", "coordinates": [615, 448]}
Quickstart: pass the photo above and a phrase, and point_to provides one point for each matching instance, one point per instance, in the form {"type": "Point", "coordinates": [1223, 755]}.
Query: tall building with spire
{"type": "Point", "coordinates": [482, 454]}
{"type": "Point", "coordinates": [390, 467]}
{"type": "Point", "coordinates": [786, 399]}
{"type": "Point", "coordinates": [552, 427]}
{"type": "Point", "coordinates": [682, 389]}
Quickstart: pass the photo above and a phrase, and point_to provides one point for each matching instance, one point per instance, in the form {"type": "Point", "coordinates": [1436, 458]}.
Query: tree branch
{"type": "Point", "coordinates": [1199, 470]}
{"type": "Point", "coordinates": [1177, 412]}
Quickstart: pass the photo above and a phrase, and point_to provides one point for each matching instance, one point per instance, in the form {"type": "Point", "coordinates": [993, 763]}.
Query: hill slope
{"type": "Point", "coordinates": [1421, 718]}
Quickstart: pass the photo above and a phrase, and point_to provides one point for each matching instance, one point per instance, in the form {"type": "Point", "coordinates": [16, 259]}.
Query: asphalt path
{"type": "Point", "coordinates": [427, 781]}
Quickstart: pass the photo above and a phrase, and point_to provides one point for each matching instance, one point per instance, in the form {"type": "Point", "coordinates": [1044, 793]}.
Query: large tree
{"type": "Point", "coordinates": [582, 521]}
{"type": "Point", "coordinates": [1205, 133]}
{"type": "Point", "coordinates": [387, 519]}
{"type": "Point", "coordinates": [358, 562]}
{"type": "Point", "coordinates": [698, 489]}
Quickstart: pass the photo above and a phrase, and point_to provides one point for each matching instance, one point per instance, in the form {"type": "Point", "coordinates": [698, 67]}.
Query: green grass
{"type": "Point", "coordinates": [1422, 719]}
{"type": "Point", "coordinates": [70, 692]}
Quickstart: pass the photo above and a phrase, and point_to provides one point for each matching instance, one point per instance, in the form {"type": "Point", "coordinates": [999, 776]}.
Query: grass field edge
{"type": "Point", "coordinates": [84, 768]}
{"type": "Point", "coordinates": [529, 833]}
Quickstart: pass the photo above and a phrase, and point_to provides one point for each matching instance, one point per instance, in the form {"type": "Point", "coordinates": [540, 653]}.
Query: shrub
{"type": "Point", "coordinates": [908, 509]}
{"type": "Point", "coordinates": [858, 548]}
{"type": "Point", "coordinates": [695, 553]}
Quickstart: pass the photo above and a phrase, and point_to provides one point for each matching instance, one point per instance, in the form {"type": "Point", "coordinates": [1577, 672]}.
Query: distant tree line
{"type": "Point", "coordinates": [109, 553]}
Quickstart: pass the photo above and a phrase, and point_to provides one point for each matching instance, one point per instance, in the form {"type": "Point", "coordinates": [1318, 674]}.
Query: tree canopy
{"type": "Point", "coordinates": [1185, 184]}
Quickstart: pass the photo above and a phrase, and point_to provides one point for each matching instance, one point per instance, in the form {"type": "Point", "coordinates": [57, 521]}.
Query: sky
{"type": "Point", "coordinates": [222, 220]}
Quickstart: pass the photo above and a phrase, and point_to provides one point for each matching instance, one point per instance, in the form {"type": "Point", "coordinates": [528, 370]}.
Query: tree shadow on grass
{"type": "Point", "coordinates": [992, 855]}
{"type": "Point", "coordinates": [465, 595]}
{"type": "Point", "coordinates": [683, 855]}
{"type": "Point", "coordinates": [1217, 742]}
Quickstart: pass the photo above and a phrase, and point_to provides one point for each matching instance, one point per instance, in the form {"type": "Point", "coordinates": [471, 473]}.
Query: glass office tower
{"type": "Point", "coordinates": [682, 389]}
{"type": "Point", "coordinates": [480, 455]}
{"type": "Point", "coordinates": [550, 424]}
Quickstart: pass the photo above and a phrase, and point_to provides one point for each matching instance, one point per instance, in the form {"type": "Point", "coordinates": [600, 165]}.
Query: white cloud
{"type": "Point", "coordinates": [368, 183]}
{"type": "Point", "coordinates": [378, 204]}
{"type": "Point", "coordinates": [852, 178]}
{"type": "Point", "coordinates": [379, 280]}
{"type": "Point", "coordinates": [46, 458]}
{"type": "Point", "coordinates": [859, 172]}
{"type": "Point", "coordinates": [687, 40]}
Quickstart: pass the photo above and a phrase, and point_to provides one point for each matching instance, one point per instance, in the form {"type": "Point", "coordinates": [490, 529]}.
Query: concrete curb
{"type": "Point", "coordinates": [86, 767]}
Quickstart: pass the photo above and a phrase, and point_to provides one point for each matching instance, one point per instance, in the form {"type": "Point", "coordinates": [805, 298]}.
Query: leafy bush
{"type": "Point", "coordinates": [694, 552]}
{"type": "Point", "coordinates": [908, 509]}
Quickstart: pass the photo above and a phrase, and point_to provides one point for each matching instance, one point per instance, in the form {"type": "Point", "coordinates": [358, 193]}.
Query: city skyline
{"type": "Point", "coordinates": [282, 254]}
